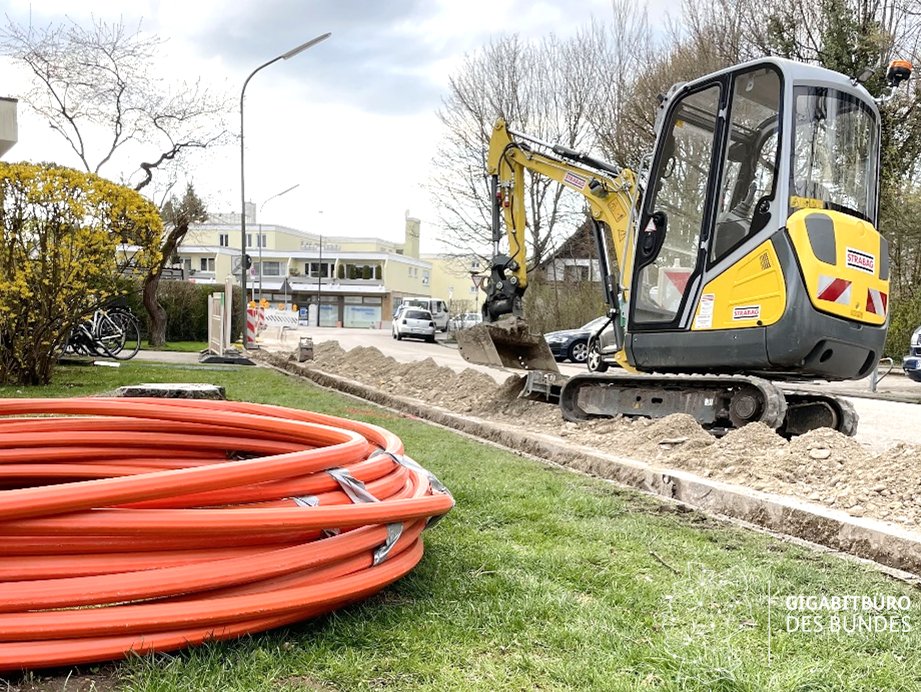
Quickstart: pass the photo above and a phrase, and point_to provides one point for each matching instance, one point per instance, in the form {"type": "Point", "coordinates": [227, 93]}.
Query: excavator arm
{"type": "Point", "coordinates": [612, 195]}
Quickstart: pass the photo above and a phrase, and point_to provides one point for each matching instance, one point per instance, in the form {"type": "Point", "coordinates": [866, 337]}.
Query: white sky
{"type": "Point", "coordinates": [351, 120]}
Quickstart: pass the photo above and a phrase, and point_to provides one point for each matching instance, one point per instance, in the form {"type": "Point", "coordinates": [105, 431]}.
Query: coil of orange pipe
{"type": "Point", "coordinates": [140, 525]}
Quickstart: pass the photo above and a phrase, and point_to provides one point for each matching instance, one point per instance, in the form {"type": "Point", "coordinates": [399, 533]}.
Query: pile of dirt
{"type": "Point", "coordinates": [468, 391]}
{"type": "Point", "coordinates": [821, 466]}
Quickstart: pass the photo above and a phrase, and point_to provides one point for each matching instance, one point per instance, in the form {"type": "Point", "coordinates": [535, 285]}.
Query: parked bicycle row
{"type": "Point", "coordinates": [110, 332]}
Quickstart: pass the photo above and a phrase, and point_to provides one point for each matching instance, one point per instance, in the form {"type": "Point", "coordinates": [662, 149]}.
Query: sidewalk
{"type": "Point", "coordinates": [176, 357]}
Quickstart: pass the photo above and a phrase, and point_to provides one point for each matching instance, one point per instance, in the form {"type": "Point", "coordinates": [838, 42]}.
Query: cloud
{"type": "Point", "coordinates": [376, 59]}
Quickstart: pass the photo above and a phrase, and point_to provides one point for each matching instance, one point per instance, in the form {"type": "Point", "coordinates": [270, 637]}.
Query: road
{"type": "Point", "coordinates": [882, 423]}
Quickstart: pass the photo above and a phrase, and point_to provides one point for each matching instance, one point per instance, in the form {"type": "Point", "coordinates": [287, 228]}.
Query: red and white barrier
{"type": "Point", "coordinates": [252, 323]}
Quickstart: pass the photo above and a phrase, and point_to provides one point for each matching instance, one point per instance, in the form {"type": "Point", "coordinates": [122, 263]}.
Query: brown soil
{"type": "Point", "coordinates": [822, 466]}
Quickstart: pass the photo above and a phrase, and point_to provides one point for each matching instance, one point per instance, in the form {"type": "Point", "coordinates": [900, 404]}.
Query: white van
{"type": "Point", "coordinates": [437, 307]}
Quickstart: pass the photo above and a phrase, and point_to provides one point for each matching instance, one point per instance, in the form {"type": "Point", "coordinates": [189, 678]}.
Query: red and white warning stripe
{"type": "Point", "coordinates": [877, 301]}
{"type": "Point", "coordinates": [834, 290]}
{"type": "Point", "coordinates": [252, 320]}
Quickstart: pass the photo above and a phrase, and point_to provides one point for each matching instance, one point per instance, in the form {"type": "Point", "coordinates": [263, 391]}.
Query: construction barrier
{"type": "Point", "coordinates": [216, 323]}
{"type": "Point", "coordinates": [252, 325]}
{"type": "Point", "coordinates": [281, 320]}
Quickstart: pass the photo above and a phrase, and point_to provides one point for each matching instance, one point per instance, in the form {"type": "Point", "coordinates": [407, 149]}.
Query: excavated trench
{"type": "Point", "coordinates": [822, 467]}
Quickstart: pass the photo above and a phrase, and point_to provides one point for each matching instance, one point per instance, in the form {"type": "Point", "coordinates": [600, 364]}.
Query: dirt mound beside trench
{"type": "Point", "coordinates": [821, 466]}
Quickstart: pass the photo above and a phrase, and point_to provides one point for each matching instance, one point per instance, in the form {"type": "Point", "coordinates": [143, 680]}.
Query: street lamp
{"type": "Point", "coordinates": [284, 56]}
{"type": "Point", "coordinates": [319, 271]}
{"type": "Point", "coordinates": [319, 278]}
{"type": "Point", "coordinates": [259, 242]}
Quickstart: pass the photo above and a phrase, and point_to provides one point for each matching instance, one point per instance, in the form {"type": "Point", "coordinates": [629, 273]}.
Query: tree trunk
{"type": "Point", "coordinates": [156, 334]}
{"type": "Point", "coordinates": [155, 312]}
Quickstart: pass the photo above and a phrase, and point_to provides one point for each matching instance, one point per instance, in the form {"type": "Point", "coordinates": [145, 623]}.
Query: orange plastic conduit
{"type": "Point", "coordinates": [139, 525]}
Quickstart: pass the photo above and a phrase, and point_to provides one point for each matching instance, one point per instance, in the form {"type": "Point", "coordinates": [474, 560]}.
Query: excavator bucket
{"type": "Point", "coordinates": [507, 343]}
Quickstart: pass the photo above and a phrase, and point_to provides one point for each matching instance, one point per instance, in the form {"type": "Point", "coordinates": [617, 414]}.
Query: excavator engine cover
{"type": "Point", "coordinates": [506, 343]}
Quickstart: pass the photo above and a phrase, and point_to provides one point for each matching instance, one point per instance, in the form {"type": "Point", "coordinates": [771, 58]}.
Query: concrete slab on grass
{"type": "Point", "coordinates": [173, 390]}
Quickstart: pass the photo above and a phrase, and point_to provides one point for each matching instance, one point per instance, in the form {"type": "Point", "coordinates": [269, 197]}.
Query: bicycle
{"type": "Point", "coordinates": [111, 332]}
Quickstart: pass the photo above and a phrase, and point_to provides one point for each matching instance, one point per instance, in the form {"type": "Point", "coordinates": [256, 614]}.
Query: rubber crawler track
{"type": "Point", "coordinates": [140, 525]}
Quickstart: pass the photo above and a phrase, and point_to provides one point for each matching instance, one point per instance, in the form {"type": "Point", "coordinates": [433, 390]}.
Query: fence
{"type": "Point", "coordinates": [281, 320]}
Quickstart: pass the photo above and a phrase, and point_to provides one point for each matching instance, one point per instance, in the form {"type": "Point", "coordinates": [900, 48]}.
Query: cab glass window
{"type": "Point", "coordinates": [682, 182]}
{"type": "Point", "coordinates": [750, 164]}
{"type": "Point", "coordinates": [835, 148]}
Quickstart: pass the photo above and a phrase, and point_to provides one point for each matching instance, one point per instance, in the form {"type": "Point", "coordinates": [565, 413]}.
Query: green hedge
{"type": "Point", "coordinates": [186, 306]}
{"type": "Point", "coordinates": [904, 318]}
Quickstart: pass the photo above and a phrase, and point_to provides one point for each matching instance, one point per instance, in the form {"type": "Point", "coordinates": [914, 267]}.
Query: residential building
{"type": "Point", "coordinates": [458, 280]}
{"type": "Point", "coordinates": [575, 261]}
{"type": "Point", "coordinates": [9, 128]}
{"type": "Point", "coordinates": [356, 281]}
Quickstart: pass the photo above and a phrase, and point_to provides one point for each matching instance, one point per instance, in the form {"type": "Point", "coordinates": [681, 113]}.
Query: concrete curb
{"type": "Point", "coordinates": [870, 539]}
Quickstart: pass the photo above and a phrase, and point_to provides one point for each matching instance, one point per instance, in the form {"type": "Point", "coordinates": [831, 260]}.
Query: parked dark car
{"type": "Point", "coordinates": [911, 364]}
{"type": "Point", "coordinates": [572, 344]}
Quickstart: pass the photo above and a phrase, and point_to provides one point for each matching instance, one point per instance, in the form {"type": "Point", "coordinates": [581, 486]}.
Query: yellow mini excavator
{"type": "Point", "coordinates": [748, 255]}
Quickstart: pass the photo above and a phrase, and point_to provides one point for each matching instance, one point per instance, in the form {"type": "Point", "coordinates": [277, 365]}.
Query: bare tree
{"type": "Point", "coordinates": [623, 51]}
{"type": "Point", "coordinates": [96, 88]}
{"type": "Point", "coordinates": [543, 88]}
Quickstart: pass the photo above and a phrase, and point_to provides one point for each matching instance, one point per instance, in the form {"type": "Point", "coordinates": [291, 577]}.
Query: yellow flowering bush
{"type": "Point", "coordinates": [66, 237]}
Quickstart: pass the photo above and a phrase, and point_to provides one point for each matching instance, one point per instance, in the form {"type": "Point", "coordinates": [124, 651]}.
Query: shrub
{"type": "Point", "coordinates": [562, 305]}
{"type": "Point", "coordinates": [904, 318]}
{"type": "Point", "coordinates": [186, 306]}
{"type": "Point", "coordinates": [63, 240]}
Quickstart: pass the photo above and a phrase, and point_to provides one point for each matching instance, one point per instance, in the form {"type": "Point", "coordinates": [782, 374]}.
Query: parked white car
{"type": "Point", "coordinates": [414, 323]}
{"type": "Point", "coordinates": [438, 308]}
{"type": "Point", "coordinates": [466, 320]}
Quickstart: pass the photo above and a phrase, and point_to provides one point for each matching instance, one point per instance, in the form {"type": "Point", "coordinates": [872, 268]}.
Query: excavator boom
{"type": "Point", "coordinates": [504, 338]}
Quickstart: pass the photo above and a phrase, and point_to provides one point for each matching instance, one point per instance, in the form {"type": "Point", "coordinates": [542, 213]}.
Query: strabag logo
{"type": "Point", "coordinates": [577, 181]}
{"type": "Point", "coordinates": [746, 312]}
{"type": "Point", "coordinates": [861, 260]}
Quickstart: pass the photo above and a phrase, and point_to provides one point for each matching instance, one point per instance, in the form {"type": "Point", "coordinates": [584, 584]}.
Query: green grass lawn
{"type": "Point", "coordinates": [184, 346]}
{"type": "Point", "coordinates": [541, 579]}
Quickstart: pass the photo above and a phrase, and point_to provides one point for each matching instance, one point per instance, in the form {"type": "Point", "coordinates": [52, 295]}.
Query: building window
{"type": "Point", "coordinates": [271, 268]}
{"type": "Point", "coordinates": [187, 264]}
{"type": "Point", "coordinates": [425, 278]}
{"type": "Point", "coordinates": [318, 270]}
{"type": "Point", "coordinates": [475, 265]}
{"type": "Point", "coordinates": [574, 273]}
{"type": "Point", "coordinates": [249, 240]}
{"type": "Point", "coordinates": [260, 239]}
{"type": "Point", "coordinates": [207, 264]}
{"type": "Point", "coordinates": [360, 271]}
{"type": "Point", "coordinates": [223, 240]}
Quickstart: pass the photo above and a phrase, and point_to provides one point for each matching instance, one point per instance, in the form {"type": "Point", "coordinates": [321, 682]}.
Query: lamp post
{"type": "Point", "coordinates": [284, 56]}
{"type": "Point", "coordinates": [319, 279]}
{"type": "Point", "coordinates": [319, 265]}
{"type": "Point", "coordinates": [260, 242]}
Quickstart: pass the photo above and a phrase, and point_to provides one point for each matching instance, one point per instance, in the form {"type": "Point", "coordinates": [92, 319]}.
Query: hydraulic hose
{"type": "Point", "coordinates": [140, 525]}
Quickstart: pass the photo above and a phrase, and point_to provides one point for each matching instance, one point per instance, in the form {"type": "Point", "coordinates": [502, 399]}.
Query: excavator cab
{"type": "Point", "coordinates": [756, 248]}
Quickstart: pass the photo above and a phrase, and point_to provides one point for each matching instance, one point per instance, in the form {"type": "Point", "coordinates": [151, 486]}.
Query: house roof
{"type": "Point", "coordinates": [580, 245]}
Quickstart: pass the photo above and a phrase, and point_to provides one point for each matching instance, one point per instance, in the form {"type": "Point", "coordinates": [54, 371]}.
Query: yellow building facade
{"type": "Point", "coordinates": [355, 281]}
